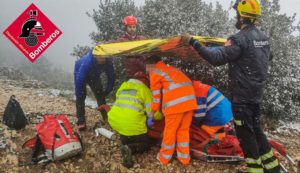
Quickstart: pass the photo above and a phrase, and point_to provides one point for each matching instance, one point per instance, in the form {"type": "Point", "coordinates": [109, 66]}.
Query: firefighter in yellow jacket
{"type": "Point", "coordinates": [129, 113]}
{"type": "Point", "coordinates": [173, 93]}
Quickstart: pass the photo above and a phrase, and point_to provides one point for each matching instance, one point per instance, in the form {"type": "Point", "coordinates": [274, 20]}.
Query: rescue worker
{"type": "Point", "coordinates": [127, 115]}
{"type": "Point", "coordinates": [87, 71]}
{"type": "Point", "coordinates": [173, 93]}
{"type": "Point", "coordinates": [213, 112]}
{"type": "Point", "coordinates": [248, 54]}
{"type": "Point", "coordinates": [130, 23]}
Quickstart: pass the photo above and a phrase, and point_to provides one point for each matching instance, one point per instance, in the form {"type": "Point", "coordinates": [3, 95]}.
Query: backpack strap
{"type": "Point", "coordinates": [53, 145]}
{"type": "Point", "coordinates": [38, 155]}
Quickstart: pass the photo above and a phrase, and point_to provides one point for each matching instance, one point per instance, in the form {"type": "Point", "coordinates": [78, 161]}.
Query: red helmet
{"type": "Point", "coordinates": [130, 20]}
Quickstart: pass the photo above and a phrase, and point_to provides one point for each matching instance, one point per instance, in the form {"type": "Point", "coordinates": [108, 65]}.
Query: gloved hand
{"type": "Point", "coordinates": [186, 38]}
{"type": "Point", "coordinates": [104, 107]}
{"type": "Point", "coordinates": [150, 121]}
{"type": "Point", "coordinates": [158, 116]}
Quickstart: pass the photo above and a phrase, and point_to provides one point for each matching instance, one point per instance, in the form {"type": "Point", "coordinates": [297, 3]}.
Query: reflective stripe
{"type": "Point", "coordinates": [214, 103]}
{"type": "Point", "coordinates": [200, 115]}
{"type": "Point", "coordinates": [185, 156]}
{"type": "Point", "coordinates": [179, 100]}
{"type": "Point", "coordinates": [163, 74]}
{"type": "Point", "coordinates": [255, 170]}
{"type": "Point", "coordinates": [155, 92]}
{"type": "Point", "coordinates": [183, 144]}
{"type": "Point", "coordinates": [155, 100]}
{"type": "Point", "coordinates": [177, 85]}
{"type": "Point", "coordinates": [129, 99]}
{"type": "Point", "coordinates": [202, 106]}
{"type": "Point", "coordinates": [212, 95]}
{"type": "Point", "coordinates": [166, 156]}
{"type": "Point", "coordinates": [267, 156]}
{"type": "Point", "coordinates": [238, 122]}
{"type": "Point", "coordinates": [148, 109]}
{"type": "Point", "coordinates": [167, 146]}
{"type": "Point", "coordinates": [173, 85]}
{"type": "Point", "coordinates": [271, 165]}
{"type": "Point", "coordinates": [148, 105]}
{"type": "Point", "coordinates": [253, 161]}
{"type": "Point", "coordinates": [130, 92]}
{"type": "Point", "coordinates": [127, 106]}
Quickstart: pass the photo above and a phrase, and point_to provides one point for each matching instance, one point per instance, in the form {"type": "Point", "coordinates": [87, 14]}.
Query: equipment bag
{"type": "Point", "coordinates": [13, 115]}
{"type": "Point", "coordinates": [56, 139]}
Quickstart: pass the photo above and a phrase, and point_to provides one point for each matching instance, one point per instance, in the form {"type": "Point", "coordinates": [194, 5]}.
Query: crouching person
{"type": "Point", "coordinates": [173, 93]}
{"type": "Point", "coordinates": [213, 112]}
{"type": "Point", "coordinates": [129, 114]}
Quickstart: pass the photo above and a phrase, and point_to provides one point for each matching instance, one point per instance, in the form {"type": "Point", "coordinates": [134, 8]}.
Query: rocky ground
{"type": "Point", "coordinates": [101, 154]}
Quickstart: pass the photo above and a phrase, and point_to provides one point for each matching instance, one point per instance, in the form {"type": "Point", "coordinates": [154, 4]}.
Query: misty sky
{"type": "Point", "coordinates": [70, 17]}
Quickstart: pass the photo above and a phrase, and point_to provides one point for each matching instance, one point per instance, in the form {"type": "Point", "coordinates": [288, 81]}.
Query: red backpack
{"type": "Point", "coordinates": [55, 140]}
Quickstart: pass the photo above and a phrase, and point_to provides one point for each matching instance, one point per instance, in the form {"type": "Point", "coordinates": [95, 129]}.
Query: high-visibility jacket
{"type": "Point", "coordinates": [214, 109]}
{"type": "Point", "coordinates": [172, 90]}
{"type": "Point", "coordinates": [127, 115]}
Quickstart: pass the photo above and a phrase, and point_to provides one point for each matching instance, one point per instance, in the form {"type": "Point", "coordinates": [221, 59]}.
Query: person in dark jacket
{"type": "Point", "coordinates": [87, 71]}
{"type": "Point", "coordinates": [248, 54]}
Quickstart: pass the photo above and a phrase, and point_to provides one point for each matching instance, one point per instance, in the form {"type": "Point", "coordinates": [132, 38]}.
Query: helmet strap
{"type": "Point", "coordinates": [239, 22]}
{"type": "Point", "coordinates": [243, 21]}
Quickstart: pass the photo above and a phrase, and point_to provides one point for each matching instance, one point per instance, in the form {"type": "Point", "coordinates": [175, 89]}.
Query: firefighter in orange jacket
{"type": "Point", "coordinates": [173, 93]}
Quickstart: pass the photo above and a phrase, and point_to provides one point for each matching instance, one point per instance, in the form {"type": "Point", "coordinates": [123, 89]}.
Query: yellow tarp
{"type": "Point", "coordinates": [169, 47]}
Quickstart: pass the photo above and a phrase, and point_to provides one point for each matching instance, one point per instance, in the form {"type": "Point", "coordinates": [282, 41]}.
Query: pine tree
{"type": "Point", "coordinates": [163, 18]}
{"type": "Point", "coordinates": [282, 94]}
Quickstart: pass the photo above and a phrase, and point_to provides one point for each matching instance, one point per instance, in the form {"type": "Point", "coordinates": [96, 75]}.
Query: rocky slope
{"type": "Point", "coordinates": [101, 154]}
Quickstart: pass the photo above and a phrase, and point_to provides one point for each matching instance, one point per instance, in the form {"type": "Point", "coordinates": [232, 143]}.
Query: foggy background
{"type": "Point", "coordinates": [70, 17]}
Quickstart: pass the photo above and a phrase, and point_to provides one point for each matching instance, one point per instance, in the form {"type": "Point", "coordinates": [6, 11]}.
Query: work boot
{"type": "Point", "coordinates": [126, 156]}
{"type": "Point", "coordinates": [157, 158]}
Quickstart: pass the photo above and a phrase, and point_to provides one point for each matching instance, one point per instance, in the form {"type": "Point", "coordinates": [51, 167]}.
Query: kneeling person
{"type": "Point", "coordinates": [129, 114]}
{"type": "Point", "coordinates": [214, 110]}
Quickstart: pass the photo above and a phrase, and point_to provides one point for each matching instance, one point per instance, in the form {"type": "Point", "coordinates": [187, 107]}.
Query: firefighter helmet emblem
{"type": "Point", "coordinates": [32, 28]}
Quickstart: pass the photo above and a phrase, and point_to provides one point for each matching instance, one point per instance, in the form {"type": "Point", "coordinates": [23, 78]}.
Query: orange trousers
{"type": "Point", "coordinates": [176, 135]}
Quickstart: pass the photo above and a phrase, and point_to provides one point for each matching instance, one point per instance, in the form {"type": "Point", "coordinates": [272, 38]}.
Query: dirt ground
{"type": "Point", "coordinates": [101, 155]}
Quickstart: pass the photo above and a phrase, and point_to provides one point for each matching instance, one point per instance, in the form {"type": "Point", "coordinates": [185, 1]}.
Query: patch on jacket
{"type": "Point", "coordinates": [258, 44]}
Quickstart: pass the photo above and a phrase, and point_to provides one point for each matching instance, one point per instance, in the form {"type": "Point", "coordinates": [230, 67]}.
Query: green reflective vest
{"type": "Point", "coordinates": [132, 106]}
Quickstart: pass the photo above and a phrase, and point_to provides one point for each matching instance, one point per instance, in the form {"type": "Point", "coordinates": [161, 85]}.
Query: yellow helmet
{"type": "Point", "coordinates": [248, 8]}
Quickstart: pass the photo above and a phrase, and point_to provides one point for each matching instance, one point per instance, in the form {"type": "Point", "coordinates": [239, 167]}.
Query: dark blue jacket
{"type": "Point", "coordinates": [88, 68]}
{"type": "Point", "coordinates": [248, 54]}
